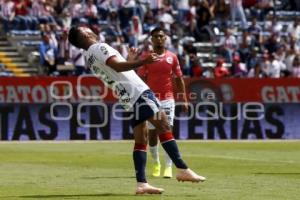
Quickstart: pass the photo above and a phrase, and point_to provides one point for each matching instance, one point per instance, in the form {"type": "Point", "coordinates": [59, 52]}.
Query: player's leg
{"type": "Point", "coordinates": [140, 158]}
{"type": "Point", "coordinates": [168, 165]}
{"type": "Point", "coordinates": [159, 120]}
{"type": "Point", "coordinates": [140, 151]}
{"type": "Point", "coordinates": [153, 147]}
{"type": "Point", "coordinates": [169, 108]}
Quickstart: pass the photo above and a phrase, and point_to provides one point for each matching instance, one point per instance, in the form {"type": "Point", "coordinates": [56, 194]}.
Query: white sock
{"type": "Point", "coordinates": [154, 153]}
{"type": "Point", "coordinates": [168, 161]}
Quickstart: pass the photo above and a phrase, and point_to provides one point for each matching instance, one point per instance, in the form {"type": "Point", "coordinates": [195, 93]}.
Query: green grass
{"type": "Point", "coordinates": [104, 170]}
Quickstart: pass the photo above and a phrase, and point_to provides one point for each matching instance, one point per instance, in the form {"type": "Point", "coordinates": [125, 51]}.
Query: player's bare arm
{"type": "Point", "coordinates": [122, 66]}
{"type": "Point", "coordinates": [181, 90]}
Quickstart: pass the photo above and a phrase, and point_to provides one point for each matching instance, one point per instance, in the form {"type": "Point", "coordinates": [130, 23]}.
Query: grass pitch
{"type": "Point", "coordinates": [104, 170]}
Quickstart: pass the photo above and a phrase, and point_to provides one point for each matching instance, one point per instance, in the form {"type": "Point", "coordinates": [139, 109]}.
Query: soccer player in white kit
{"type": "Point", "coordinates": [136, 97]}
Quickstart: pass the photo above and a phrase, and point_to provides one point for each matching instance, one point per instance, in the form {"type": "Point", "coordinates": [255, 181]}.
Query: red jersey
{"type": "Point", "coordinates": [159, 75]}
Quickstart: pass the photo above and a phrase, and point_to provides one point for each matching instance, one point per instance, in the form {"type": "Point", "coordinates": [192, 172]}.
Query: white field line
{"type": "Point", "coordinates": [131, 141]}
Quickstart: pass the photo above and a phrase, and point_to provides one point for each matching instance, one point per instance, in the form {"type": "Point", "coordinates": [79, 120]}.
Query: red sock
{"type": "Point", "coordinates": [140, 147]}
{"type": "Point", "coordinates": [165, 137]}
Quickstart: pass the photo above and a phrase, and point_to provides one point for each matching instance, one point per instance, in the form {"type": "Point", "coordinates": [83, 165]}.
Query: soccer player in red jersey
{"type": "Point", "coordinates": [159, 77]}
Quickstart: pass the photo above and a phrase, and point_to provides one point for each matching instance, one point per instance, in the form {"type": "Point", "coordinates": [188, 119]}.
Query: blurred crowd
{"type": "Point", "coordinates": [250, 39]}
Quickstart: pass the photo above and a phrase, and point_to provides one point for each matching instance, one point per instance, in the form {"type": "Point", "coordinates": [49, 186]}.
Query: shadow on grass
{"type": "Point", "coordinates": [105, 177]}
{"type": "Point", "coordinates": [60, 196]}
{"type": "Point", "coordinates": [76, 195]}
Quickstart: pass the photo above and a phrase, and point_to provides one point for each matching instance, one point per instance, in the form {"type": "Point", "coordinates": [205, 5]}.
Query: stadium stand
{"type": "Point", "coordinates": [193, 35]}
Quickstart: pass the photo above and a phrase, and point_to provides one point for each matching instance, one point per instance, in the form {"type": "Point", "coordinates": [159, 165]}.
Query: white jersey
{"type": "Point", "coordinates": [127, 86]}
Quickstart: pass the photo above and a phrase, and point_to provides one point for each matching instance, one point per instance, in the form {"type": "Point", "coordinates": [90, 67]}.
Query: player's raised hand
{"type": "Point", "coordinates": [132, 53]}
{"type": "Point", "coordinates": [153, 57]}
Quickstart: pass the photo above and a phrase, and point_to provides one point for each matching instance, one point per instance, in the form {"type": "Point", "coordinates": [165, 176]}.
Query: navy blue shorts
{"type": "Point", "coordinates": [144, 108]}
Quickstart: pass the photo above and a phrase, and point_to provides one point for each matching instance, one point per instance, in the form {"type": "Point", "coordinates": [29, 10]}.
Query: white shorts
{"type": "Point", "coordinates": [169, 107]}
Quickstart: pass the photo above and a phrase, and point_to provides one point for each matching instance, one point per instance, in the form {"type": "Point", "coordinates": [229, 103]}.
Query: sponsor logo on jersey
{"type": "Point", "coordinates": [104, 50]}
{"type": "Point", "coordinates": [169, 60]}
{"type": "Point", "coordinates": [91, 60]}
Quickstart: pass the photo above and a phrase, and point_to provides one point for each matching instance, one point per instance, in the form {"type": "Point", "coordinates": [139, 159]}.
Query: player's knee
{"type": "Point", "coordinates": [164, 127]}
{"type": "Point", "coordinates": [142, 140]}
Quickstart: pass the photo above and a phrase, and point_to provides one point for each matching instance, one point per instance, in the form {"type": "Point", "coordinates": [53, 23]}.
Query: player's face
{"type": "Point", "coordinates": [158, 39]}
{"type": "Point", "coordinates": [88, 33]}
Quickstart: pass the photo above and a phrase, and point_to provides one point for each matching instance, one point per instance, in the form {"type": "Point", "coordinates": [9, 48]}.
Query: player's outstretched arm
{"type": "Point", "coordinates": [122, 66]}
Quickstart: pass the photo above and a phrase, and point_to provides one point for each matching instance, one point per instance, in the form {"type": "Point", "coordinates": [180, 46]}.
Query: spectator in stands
{"type": "Point", "coordinates": [184, 66]}
{"type": "Point", "coordinates": [262, 69]}
{"type": "Point", "coordinates": [291, 52]}
{"type": "Point", "coordinates": [59, 8]}
{"type": "Point", "coordinates": [149, 21]}
{"type": "Point", "coordinates": [90, 12]}
{"type": "Point", "coordinates": [272, 43]}
{"type": "Point", "coordinates": [131, 4]}
{"type": "Point", "coordinates": [136, 32]}
{"type": "Point", "coordinates": [256, 31]}
{"type": "Point", "coordinates": [265, 65]}
{"type": "Point", "coordinates": [204, 15]}
{"type": "Point", "coordinates": [113, 22]}
{"type": "Point", "coordinates": [274, 26]}
{"type": "Point", "coordinates": [290, 5]}
{"type": "Point", "coordinates": [195, 66]}
{"type": "Point", "coordinates": [63, 48]}
{"type": "Point", "coordinates": [155, 5]}
{"type": "Point", "coordinates": [191, 19]}
{"type": "Point", "coordinates": [23, 20]}
{"type": "Point", "coordinates": [276, 67]}
{"type": "Point", "coordinates": [166, 18]}
{"type": "Point", "coordinates": [146, 48]}
{"type": "Point", "coordinates": [229, 45]}
{"type": "Point", "coordinates": [280, 55]}
{"type": "Point", "coordinates": [245, 46]}
{"type": "Point", "coordinates": [238, 68]}
{"type": "Point", "coordinates": [294, 30]}
{"type": "Point", "coordinates": [103, 7]}
{"type": "Point", "coordinates": [47, 54]}
{"type": "Point", "coordinates": [48, 12]}
{"type": "Point", "coordinates": [220, 71]}
{"type": "Point", "coordinates": [65, 18]}
{"type": "Point", "coordinates": [76, 10]}
{"type": "Point", "coordinates": [7, 14]}
{"type": "Point", "coordinates": [42, 12]}
{"type": "Point", "coordinates": [208, 72]}
{"type": "Point", "coordinates": [296, 67]}
{"type": "Point", "coordinates": [167, 6]}
{"type": "Point", "coordinates": [51, 31]}
{"type": "Point", "coordinates": [77, 58]}
{"type": "Point", "coordinates": [177, 47]}
{"type": "Point", "coordinates": [253, 61]}
{"type": "Point", "coordinates": [183, 10]}
{"type": "Point", "coordinates": [262, 8]}
{"type": "Point", "coordinates": [177, 31]}
{"type": "Point", "coordinates": [125, 16]}
{"type": "Point", "coordinates": [236, 9]}
{"type": "Point", "coordinates": [222, 12]}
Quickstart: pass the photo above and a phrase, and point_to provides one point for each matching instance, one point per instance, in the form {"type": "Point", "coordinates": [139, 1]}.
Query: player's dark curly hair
{"type": "Point", "coordinates": [73, 36]}
{"type": "Point", "coordinates": [157, 29]}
